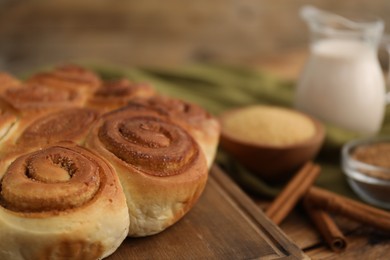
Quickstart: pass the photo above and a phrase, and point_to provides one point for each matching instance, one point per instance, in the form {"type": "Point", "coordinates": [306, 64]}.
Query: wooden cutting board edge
{"type": "Point", "coordinates": [275, 235]}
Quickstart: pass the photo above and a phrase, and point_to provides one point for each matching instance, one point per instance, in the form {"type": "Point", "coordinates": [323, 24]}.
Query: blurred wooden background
{"type": "Point", "coordinates": [266, 34]}
{"type": "Point", "coordinates": [158, 33]}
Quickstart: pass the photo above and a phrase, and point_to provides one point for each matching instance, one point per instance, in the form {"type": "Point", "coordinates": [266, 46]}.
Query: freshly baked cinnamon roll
{"type": "Point", "coordinates": [117, 93]}
{"type": "Point", "coordinates": [144, 166]}
{"type": "Point", "coordinates": [68, 77]}
{"type": "Point", "coordinates": [34, 98]}
{"type": "Point", "coordinates": [198, 122]}
{"type": "Point", "coordinates": [61, 202]}
{"type": "Point", "coordinates": [65, 125]}
{"type": "Point", "coordinates": [161, 167]}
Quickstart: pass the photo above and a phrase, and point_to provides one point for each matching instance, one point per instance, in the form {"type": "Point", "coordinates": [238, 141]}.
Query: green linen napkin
{"type": "Point", "coordinates": [218, 88]}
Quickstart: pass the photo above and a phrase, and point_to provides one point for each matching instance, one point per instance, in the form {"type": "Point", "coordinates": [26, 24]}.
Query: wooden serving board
{"type": "Point", "coordinates": [224, 224]}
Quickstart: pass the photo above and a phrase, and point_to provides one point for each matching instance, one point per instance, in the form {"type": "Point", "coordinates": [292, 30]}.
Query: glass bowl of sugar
{"type": "Point", "coordinates": [366, 163]}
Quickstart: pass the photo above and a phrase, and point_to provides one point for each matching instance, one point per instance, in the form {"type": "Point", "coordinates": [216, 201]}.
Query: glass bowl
{"type": "Point", "coordinates": [366, 163]}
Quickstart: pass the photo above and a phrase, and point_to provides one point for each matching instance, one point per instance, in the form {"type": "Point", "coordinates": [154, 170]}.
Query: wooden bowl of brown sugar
{"type": "Point", "coordinates": [270, 141]}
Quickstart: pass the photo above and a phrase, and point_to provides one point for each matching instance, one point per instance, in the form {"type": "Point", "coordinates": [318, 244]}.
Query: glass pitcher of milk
{"type": "Point", "coordinates": [342, 82]}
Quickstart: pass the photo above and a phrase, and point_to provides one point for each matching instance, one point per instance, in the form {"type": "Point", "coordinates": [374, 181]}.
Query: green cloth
{"type": "Point", "coordinates": [218, 88]}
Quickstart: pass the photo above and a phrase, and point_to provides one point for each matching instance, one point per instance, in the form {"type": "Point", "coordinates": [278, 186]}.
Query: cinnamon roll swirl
{"type": "Point", "coordinates": [31, 134]}
{"type": "Point", "coordinates": [34, 98]}
{"type": "Point", "coordinates": [61, 202]}
{"type": "Point", "coordinates": [204, 128]}
{"type": "Point", "coordinates": [117, 93]}
{"type": "Point", "coordinates": [65, 125]}
{"type": "Point", "coordinates": [161, 167]}
{"type": "Point", "coordinates": [69, 76]}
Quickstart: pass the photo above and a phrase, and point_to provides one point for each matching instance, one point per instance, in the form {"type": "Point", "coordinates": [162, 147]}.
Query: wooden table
{"type": "Point", "coordinates": [28, 48]}
{"type": "Point", "coordinates": [363, 243]}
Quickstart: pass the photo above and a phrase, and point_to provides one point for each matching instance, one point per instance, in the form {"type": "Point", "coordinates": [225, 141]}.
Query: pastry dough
{"type": "Point", "coordinates": [162, 169]}
{"type": "Point", "coordinates": [204, 128]}
{"type": "Point", "coordinates": [61, 202]}
{"type": "Point", "coordinates": [71, 77]}
{"type": "Point", "coordinates": [7, 81]}
{"type": "Point", "coordinates": [33, 133]}
{"type": "Point", "coordinates": [30, 99]}
{"type": "Point", "coordinates": [86, 162]}
{"type": "Point", "coordinates": [114, 94]}
{"type": "Point", "coordinates": [8, 118]}
{"type": "Point", "coordinates": [65, 125]}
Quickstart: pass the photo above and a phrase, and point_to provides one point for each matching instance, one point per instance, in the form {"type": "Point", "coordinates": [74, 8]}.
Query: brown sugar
{"type": "Point", "coordinates": [269, 125]}
{"type": "Point", "coordinates": [376, 154]}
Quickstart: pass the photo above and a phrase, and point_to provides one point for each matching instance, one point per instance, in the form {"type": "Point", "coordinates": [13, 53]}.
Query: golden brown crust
{"type": "Point", "coordinates": [204, 128]}
{"type": "Point", "coordinates": [139, 140]}
{"type": "Point", "coordinates": [54, 179]}
{"type": "Point", "coordinates": [161, 167]}
{"type": "Point", "coordinates": [117, 93]}
{"type": "Point", "coordinates": [33, 98]}
{"type": "Point", "coordinates": [56, 198]}
{"type": "Point", "coordinates": [59, 200]}
{"type": "Point", "coordinates": [37, 131]}
{"type": "Point", "coordinates": [68, 77]}
{"type": "Point", "coordinates": [8, 118]}
{"type": "Point", "coordinates": [7, 81]}
{"type": "Point", "coordinates": [65, 125]}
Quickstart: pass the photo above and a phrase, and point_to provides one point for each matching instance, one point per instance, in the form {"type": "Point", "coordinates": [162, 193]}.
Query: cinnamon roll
{"type": "Point", "coordinates": [117, 93]}
{"type": "Point", "coordinates": [204, 128]}
{"type": "Point", "coordinates": [35, 98]}
{"type": "Point", "coordinates": [65, 125]}
{"type": "Point", "coordinates": [31, 134]}
{"type": "Point", "coordinates": [61, 202]}
{"type": "Point", "coordinates": [161, 167]}
{"type": "Point", "coordinates": [69, 76]}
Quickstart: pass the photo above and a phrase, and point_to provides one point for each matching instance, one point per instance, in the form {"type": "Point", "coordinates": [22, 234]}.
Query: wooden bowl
{"type": "Point", "coordinates": [271, 162]}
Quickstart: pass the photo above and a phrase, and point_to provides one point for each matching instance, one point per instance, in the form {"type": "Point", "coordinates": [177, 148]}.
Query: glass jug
{"type": "Point", "coordinates": [342, 82]}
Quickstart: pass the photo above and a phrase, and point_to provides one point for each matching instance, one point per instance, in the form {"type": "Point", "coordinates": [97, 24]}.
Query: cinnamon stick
{"type": "Point", "coordinates": [292, 193]}
{"type": "Point", "coordinates": [352, 209]}
{"type": "Point", "coordinates": [327, 228]}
